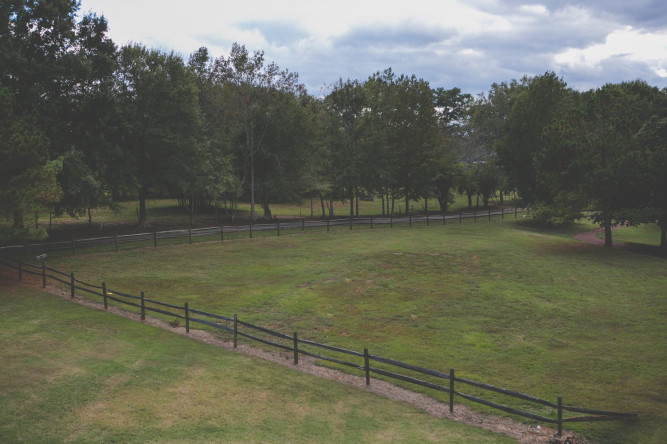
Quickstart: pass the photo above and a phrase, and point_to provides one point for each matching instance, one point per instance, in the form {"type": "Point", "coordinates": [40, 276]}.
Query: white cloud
{"type": "Point", "coordinates": [628, 43]}
{"type": "Point", "coordinates": [465, 43]}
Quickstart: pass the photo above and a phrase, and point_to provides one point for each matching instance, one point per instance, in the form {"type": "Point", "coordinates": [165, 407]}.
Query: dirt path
{"type": "Point", "coordinates": [591, 237]}
{"type": "Point", "coordinates": [523, 433]}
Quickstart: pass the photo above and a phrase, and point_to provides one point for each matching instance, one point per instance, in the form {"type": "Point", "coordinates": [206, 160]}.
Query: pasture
{"type": "Point", "coordinates": [501, 302]}
{"type": "Point", "coordinates": [73, 374]}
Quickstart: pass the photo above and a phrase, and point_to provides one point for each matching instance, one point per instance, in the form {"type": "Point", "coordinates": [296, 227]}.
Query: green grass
{"type": "Point", "coordinates": [166, 211]}
{"type": "Point", "coordinates": [646, 234]}
{"type": "Point", "coordinates": [503, 303]}
{"type": "Point", "coordinates": [72, 374]}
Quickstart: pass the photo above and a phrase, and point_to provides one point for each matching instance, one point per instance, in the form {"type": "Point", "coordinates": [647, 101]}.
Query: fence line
{"type": "Point", "coordinates": [295, 345]}
{"type": "Point", "coordinates": [223, 231]}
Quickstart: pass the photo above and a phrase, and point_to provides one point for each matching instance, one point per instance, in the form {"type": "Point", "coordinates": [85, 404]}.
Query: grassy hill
{"type": "Point", "coordinates": [72, 374]}
{"type": "Point", "coordinates": [501, 302]}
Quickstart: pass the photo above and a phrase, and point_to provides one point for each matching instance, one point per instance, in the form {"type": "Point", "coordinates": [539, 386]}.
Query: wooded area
{"type": "Point", "coordinates": [85, 123]}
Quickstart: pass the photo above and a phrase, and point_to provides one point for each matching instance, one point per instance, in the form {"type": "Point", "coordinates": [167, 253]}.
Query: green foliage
{"type": "Point", "coordinates": [27, 178]}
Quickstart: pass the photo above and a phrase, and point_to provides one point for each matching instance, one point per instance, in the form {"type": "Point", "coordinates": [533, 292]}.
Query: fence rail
{"type": "Point", "coordinates": [25, 250]}
{"type": "Point", "coordinates": [442, 382]}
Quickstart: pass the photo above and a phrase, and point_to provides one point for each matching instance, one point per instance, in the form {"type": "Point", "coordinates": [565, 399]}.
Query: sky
{"type": "Point", "coordinates": [468, 44]}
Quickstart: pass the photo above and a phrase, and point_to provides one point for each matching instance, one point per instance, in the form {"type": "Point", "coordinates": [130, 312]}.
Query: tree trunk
{"type": "Point", "coordinates": [143, 223]}
{"type": "Point", "coordinates": [18, 219]}
{"type": "Point", "coordinates": [607, 231]}
{"type": "Point", "coordinates": [407, 201]}
{"type": "Point", "coordinates": [357, 201]}
{"type": "Point", "coordinates": [382, 198]}
{"type": "Point", "coordinates": [324, 214]}
{"type": "Point", "coordinates": [252, 186]}
{"type": "Point", "coordinates": [351, 201]}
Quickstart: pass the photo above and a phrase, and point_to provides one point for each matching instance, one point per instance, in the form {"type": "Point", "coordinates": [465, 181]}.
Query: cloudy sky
{"type": "Point", "coordinates": [468, 44]}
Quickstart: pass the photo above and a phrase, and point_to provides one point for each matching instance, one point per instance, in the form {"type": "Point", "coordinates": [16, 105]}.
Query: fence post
{"type": "Point", "coordinates": [27, 252]}
{"type": "Point", "coordinates": [278, 224]}
{"type": "Point", "coordinates": [502, 213]}
{"type": "Point", "coordinates": [154, 239]}
{"type": "Point", "coordinates": [104, 295]}
{"type": "Point", "coordinates": [73, 248]}
{"type": "Point", "coordinates": [20, 271]}
{"type": "Point", "coordinates": [143, 307]}
{"type": "Point", "coordinates": [560, 416]}
{"type": "Point", "coordinates": [371, 222]}
{"type": "Point", "coordinates": [236, 329]}
{"type": "Point", "coordinates": [427, 219]}
{"type": "Point", "coordinates": [367, 367]}
{"type": "Point", "coordinates": [461, 217]}
{"type": "Point", "coordinates": [410, 220]}
{"type": "Point", "coordinates": [71, 283]}
{"type": "Point", "coordinates": [222, 233]}
{"type": "Point", "coordinates": [43, 274]}
{"type": "Point", "coordinates": [444, 218]}
{"type": "Point", "coordinates": [475, 212]}
{"type": "Point", "coordinates": [514, 212]}
{"type": "Point", "coordinates": [451, 390]}
{"type": "Point", "coordinates": [489, 213]}
{"type": "Point", "coordinates": [391, 221]}
{"type": "Point", "coordinates": [296, 350]}
{"type": "Point", "coordinates": [190, 234]}
{"type": "Point", "coordinates": [303, 226]}
{"type": "Point", "coordinates": [350, 222]}
{"type": "Point", "coordinates": [187, 318]}
{"type": "Point", "coordinates": [250, 228]}
{"type": "Point", "coordinates": [115, 241]}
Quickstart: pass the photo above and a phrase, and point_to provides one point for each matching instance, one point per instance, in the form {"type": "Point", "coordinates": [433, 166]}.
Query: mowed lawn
{"type": "Point", "coordinates": [500, 302]}
{"type": "Point", "coordinates": [73, 374]}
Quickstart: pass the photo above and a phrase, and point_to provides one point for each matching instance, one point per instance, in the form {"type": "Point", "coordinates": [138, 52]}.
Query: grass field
{"type": "Point", "coordinates": [72, 374]}
{"type": "Point", "coordinates": [501, 302]}
{"type": "Point", "coordinates": [167, 211]}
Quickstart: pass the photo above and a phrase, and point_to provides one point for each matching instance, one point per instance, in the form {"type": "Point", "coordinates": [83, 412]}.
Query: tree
{"type": "Point", "coordinates": [161, 126]}
{"type": "Point", "coordinates": [346, 105]}
{"type": "Point", "coordinates": [412, 134]}
{"type": "Point", "coordinates": [252, 88]}
{"type": "Point", "coordinates": [543, 99]}
{"type": "Point", "coordinates": [615, 114]}
{"type": "Point", "coordinates": [652, 141]}
{"type": "Point", "coordinates": [54, 67]}
{"type": "Point", "coordinates": [27, 177]}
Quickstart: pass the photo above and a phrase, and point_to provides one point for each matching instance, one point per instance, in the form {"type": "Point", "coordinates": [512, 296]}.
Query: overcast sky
{"type": "Point", "coordinates": [468, 44]}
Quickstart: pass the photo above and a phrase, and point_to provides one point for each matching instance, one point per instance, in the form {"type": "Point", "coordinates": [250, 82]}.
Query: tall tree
{"type": "Point", "coordinates": [615, 114]}
{"type": "Point", "coordinates": [27, 177]}
{"type": "Point", "coordinates": [252, 88]}
{"type": "Point", "coordinates": [53, 66]}
{"type": "Point", "coordinates": [161, 124]}
{"type": "Point", "coordinates": [543, 99]}
{"type": "Point", "coordinates": [346, 105]}
{"type": "Point", "coordinates": [651, 140]}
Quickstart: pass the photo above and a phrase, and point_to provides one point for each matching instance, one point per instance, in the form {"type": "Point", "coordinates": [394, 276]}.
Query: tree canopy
{"type": "Point", "coordinates": [85, 123]}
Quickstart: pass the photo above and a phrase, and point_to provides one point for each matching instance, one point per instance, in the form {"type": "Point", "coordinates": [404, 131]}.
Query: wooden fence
{"type": "Point", "coordinates": [251, 229]}
{"type": "Point", "coordinates": [364, 362]}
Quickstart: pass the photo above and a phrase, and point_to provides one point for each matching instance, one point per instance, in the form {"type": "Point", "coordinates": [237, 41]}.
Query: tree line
{"type": "Point", "coordinates": [86, 123]}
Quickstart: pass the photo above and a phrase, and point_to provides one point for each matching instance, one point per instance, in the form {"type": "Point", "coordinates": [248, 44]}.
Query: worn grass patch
{"type": "Point", "coordinates": [508, 304]}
